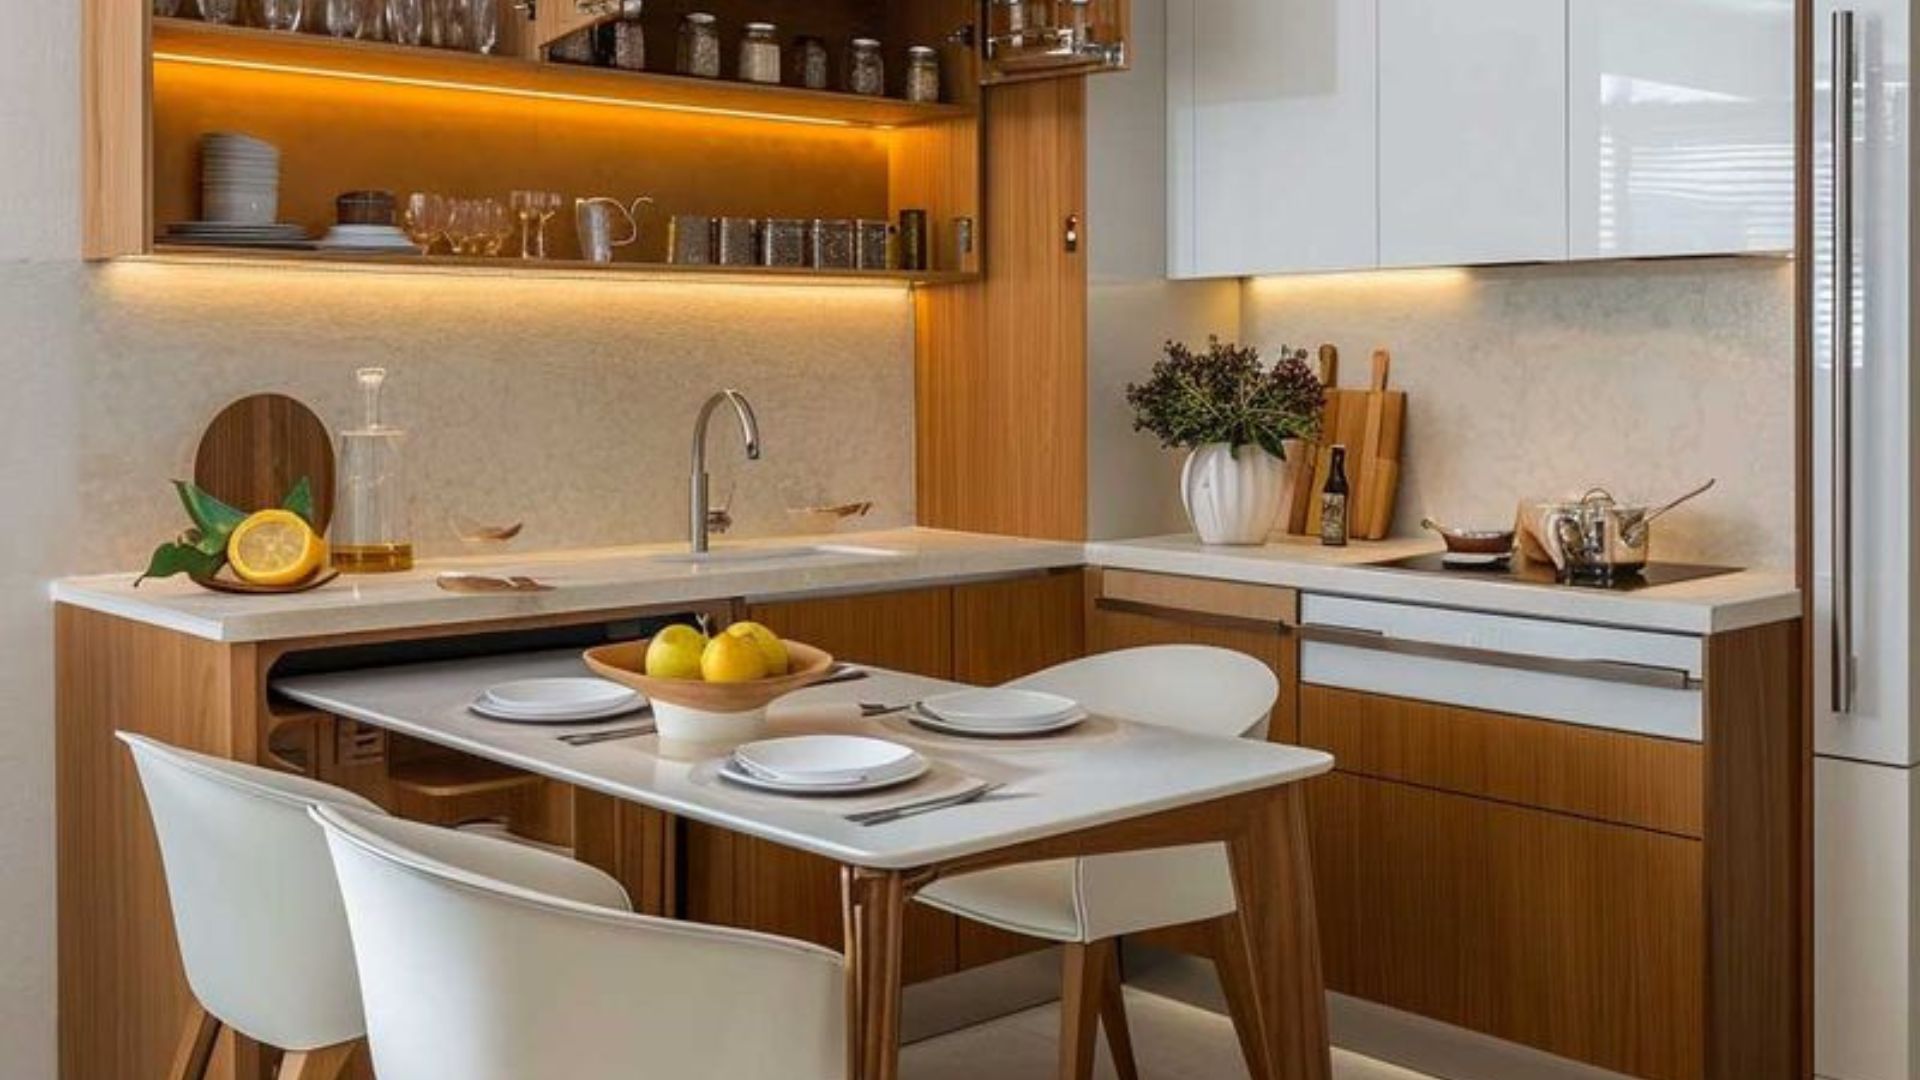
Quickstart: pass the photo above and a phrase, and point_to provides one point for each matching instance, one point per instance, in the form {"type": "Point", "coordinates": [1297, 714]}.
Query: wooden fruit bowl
{"type": "Point", "coordinates": [690, 709]}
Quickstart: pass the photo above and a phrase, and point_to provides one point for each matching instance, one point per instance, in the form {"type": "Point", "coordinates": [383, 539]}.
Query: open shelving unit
{"type": "Point", "coordinates": [353, 115]}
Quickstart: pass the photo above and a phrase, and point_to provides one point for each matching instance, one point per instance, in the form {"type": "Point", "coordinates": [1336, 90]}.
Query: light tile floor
{"type": "Point", "coordinates": [1171, 1040]}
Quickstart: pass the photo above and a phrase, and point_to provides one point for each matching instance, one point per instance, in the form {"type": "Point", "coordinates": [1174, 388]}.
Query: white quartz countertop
{"type": "Point", "coordinates": [1708, 605]}
{"type": "Point", "coordinates": [614, 579]}
{"type": "Point", "coordinates": [605, 579]}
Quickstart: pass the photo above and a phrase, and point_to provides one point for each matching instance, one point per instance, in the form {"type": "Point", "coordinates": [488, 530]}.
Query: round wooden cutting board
{"type": "Point", "coordinates": [258, 448]}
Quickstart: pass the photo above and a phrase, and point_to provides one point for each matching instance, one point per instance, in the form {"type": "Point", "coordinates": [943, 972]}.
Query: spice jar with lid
{"type": "Point", "coordinates": [699, 46]}
{"type": "Point", "coordinates": [866, 71]}
{"type": "Point", "coordinates": [760, 54]}
{"type": "Point", "coordinates": [811, 64]}
{"type": "Point", "coordinates": [625, 38]}
{"type": "Point", "coordinates": [923, 74]}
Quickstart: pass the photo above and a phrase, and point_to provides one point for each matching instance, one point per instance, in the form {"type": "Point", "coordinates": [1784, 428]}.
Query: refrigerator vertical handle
{"type": "Point", "coordinates": [1844, 74]}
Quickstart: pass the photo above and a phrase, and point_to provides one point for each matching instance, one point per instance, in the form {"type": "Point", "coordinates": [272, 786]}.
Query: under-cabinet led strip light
{"type": "Point", "coordinates": [501, 91]}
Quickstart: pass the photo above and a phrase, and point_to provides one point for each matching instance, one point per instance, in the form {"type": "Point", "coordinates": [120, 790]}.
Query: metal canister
{"type": "Point", "coordinates": [737, 241]}
{"type": "Point", "coordinates": [870, 249]}
{"type": "Point", "coordinates": [785, 242]}
{"type": "Point", "coordinates": [690, 240]}
{"type": "Point", "coordinates": [833, 244]}
{"type": "Point", "coordinates": [913, 240]}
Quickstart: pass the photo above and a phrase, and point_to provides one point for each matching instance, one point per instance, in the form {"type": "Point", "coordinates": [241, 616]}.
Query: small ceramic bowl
{"type": "Point", "coordinates": [688, 710]}
{"type": "Point", "coordinates": [1473, 541]}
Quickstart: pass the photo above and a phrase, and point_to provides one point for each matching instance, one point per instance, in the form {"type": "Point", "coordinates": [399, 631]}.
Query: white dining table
{"type": "Point", "coordinates": [1105, 786]}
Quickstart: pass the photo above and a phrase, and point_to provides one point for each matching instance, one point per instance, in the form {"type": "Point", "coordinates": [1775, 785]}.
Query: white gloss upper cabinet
{"type": "Point", "coordinates": [1680, 127]}
{"type": "Point", "coordinates": [1271, 130]}
{"type": "Point", "coordinates": [1473, 131]}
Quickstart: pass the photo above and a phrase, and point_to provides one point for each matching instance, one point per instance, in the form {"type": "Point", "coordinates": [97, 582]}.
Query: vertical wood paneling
{"type": "Point", "coordinates": [115, 100]}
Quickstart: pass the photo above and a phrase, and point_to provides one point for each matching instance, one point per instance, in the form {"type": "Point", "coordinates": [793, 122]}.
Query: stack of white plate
{"type": "Point", "coordinates": [1002, 713]}
{"type": "Point", "coordinates": [823, 765]}
{"type": "Point", "coordinates": [369, 238]}
{"type": "Point", "coordinates": [223, 234]}
{"type": "Point", "coordinates": [239, 180]}
{"type": "Point", "coordinates": [557, 701]}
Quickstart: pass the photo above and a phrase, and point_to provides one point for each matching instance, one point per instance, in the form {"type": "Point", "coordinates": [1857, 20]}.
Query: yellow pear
{"type": "Point", "coordinates": [675, 653]}
{"type": "Point", "coordinates": [732, 659]}
{"type": "Point", "coordinates": [771, 647]}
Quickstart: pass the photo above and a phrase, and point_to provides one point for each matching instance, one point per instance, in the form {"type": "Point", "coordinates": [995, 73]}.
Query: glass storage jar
{"type": "Point", "coordinates": [833, 244]}
{"type": "Point", "coordinates": [626, 44]}
{"type": "Point", "coordinates": [811, 64]}
{"type": "Point", "coordinates": [760, 54]}
{"type": "Point", "coordinates": [784, 242]}
{"type": "Point", "coordinates": [923, 74]}
{"type": "Point", "coordinates": [866, 71]}
{"type": "Point", "coordinates": [700, 46]}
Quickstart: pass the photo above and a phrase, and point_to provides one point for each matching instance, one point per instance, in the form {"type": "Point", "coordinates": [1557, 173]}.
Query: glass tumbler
{"type": "Point", "coordinates": [218, 11]}
{"type": "Point", "coordinates": [343, 18]}
{"type": "Point", "coordinates": [483, 25]}
{"type": "Point", "coordinates": [406, 21]}
{"type": "Point", "coordinates": [282, 14]}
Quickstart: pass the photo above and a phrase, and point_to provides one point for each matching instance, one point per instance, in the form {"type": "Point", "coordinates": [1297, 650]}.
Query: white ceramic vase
{"type": "Point", "coordinates": [1232, 497]}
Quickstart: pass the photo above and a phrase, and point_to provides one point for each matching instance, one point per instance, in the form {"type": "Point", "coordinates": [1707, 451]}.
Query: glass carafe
{"type": "Point", "coordinates": [370, 531]}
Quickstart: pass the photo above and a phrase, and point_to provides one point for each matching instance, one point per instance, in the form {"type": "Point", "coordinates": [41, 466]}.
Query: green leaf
{"type": "Point", "coordinates": [171, 559]}
{"type": "Point", "coordinates": [214, 519]}
{"type": "Point", "coordinates": [300, 501]}
{"type": "Point", "coordinates": [204, 544]}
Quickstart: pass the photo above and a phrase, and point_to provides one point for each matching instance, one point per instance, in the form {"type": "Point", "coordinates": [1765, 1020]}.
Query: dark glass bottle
{"type": "Point", "coordinates": [1333, 501]}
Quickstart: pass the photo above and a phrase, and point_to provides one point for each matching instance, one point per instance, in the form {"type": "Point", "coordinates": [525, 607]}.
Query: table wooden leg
{"type": "Point", "coordinates": [875, 910]}
{"type": "Point", "coordinates": [1273, 880]}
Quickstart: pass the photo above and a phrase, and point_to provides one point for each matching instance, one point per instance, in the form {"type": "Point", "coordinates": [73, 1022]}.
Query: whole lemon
{"type": "Point", "coordinates": [674, 653]}
{"type": "Point", "coordinates": [771, 647]}
{"type": "Point", "coordinates": [730, 659]}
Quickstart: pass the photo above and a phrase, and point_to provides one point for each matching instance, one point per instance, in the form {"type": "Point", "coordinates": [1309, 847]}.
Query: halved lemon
{"type": "Point", "coordinates": [275, 547]}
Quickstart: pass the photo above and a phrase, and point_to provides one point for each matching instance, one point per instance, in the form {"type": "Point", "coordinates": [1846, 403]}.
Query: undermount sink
{"type": "Point", "coordinates": [728, 556]}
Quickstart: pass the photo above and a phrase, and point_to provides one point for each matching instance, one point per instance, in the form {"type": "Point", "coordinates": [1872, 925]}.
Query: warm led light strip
{"type": "Point", "coordinates": [498, 91]}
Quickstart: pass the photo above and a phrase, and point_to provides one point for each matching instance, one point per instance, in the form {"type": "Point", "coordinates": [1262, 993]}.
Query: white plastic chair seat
{"type": "Point", "coordinates": [1193, 688]}
{"type": "Point", "coordinates": [1088, 900]}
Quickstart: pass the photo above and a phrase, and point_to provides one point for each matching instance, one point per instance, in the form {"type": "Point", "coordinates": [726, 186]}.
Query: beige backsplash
{"type": "Point", "coordinates": [567, 404]}
{"type": "Point", "coordinates": [1645, 377]}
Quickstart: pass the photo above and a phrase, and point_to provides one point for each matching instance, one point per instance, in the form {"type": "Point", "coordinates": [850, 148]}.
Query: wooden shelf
{"type": "Point", "coordinates": [244, 48]}
{"type": "Point", "coordinates": [464, 264]}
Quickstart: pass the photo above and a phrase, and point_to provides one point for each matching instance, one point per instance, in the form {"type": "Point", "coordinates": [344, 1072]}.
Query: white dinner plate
{"type": "Point", "coordinates": [1469, 558]}
{"type": "Point", "coordinates": [825, 759]}
{"type": "Point", "coordinates": [731, 771]}
{"type": "Point", "coordinates": [481, 706]}
{"type": "Point", "coordinates": [560, 695]}
{"type": "Point", "coordinates": [999, 708]}
{"type": "Point", "coordinates": [997, 731]}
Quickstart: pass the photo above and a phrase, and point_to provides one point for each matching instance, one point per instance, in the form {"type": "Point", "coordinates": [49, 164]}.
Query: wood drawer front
{"type": "Point", "coordinates": [1610, 776]}
{"type": "Point", "coordinates": [1579, 938]}
{"type": "Point", "coordinates": [1172, 596]}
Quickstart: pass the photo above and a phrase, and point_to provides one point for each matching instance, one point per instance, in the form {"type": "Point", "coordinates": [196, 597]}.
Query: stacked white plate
{"type": "Point", "coordinates": [239, 179]}
{"type": "Point", "coordinates": [1002, 713]}
{"type": "Point", "coordinates": [557, 701]}
{"type": "Point", "coordinates": [823, 765]}
{"type": "Point", "coordinates": [225, 234]}
{"type": "Point", "coordinates": [369, 238]}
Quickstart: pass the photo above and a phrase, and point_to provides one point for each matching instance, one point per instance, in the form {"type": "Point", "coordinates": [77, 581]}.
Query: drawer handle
{"type": "Point", "coordinates": [1189, 616]}
{"type": "Point", "coordinates": [1613, 671]}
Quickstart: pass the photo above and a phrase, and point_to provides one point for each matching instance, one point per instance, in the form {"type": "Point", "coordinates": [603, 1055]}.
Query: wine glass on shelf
{"type": "Point", "coordinates": [534, 209]}
{"type": "Point", "coordinates": [460, 226]}
{"type": "Point", "coordinates": [343, 18]}
{"type": "Point", "coordinates": [218, 11]}
{"type": "Point", "coordinates": [484, 25]}
{"type": "Point", "coordinates": [425, 219]}
{"type": "Point", "coordinates": [406, 21]}
{"type": "Point", "coordinates": [282, 14]}
{"type": "Point", "coordinates": [497, 226]}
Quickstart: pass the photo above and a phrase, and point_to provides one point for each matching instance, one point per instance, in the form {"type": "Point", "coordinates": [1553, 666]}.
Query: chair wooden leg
{"type": "Point", "coordinates": [1113, 1017]}
{"type": "Point", "coordinates": [1227, 940]}
{"type": "Point", "coordinates": [197, 1037]}
{"type": "Point", "coordinates": [1082, 975]}
{"type": "Point", "coordinates": [326, 1063]}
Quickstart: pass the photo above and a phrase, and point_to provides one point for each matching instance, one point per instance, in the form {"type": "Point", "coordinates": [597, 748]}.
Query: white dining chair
{"type": "Point", "coordinates": [262, 935]}
{"type": "Point", "coordinates": [1087, 904]}
{"type": "Point", "coordinates": [492, 961]}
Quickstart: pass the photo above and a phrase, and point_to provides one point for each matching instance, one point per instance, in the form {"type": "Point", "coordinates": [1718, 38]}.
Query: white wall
{"type": "Point", "coordinates": [567, 404]}
{"type": "Point", "coordinates": [1132, 487]}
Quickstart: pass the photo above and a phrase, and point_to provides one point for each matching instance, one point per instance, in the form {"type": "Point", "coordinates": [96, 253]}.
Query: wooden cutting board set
{"type": "Point", "coordinates": [1369, 423]}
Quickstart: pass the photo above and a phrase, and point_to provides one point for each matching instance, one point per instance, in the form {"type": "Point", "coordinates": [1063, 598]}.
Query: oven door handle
{"type": "Point", "coordinates": [1612, 671]}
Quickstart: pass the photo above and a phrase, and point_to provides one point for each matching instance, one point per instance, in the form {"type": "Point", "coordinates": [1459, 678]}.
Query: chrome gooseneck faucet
{"type": "Point", "coordinates": [700, 517]}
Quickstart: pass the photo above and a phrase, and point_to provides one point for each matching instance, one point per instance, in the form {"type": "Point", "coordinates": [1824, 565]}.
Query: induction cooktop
{"type": "Point", "coordinates": [1520, 571]}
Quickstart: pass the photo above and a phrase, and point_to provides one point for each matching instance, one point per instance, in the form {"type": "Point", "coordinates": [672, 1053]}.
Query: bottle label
{"type": "Point", "coordinates": [1333, 519]}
